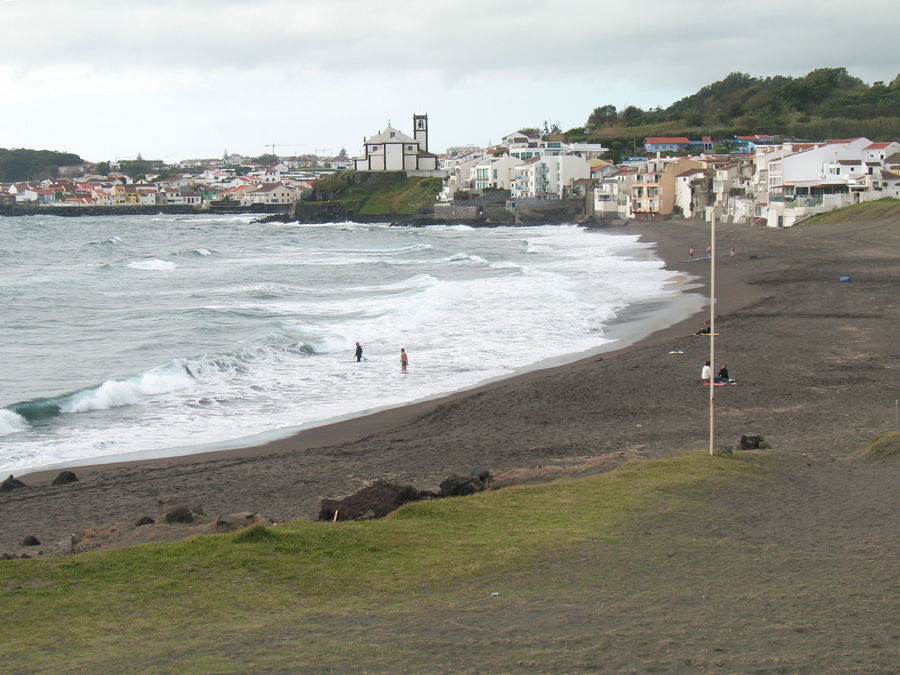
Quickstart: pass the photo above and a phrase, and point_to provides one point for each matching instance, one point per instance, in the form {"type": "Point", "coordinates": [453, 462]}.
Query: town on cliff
{"type": "Point", "coordinates": [527, 177]}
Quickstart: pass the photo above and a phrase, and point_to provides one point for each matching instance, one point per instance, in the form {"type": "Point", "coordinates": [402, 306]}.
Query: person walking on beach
{"type": "Point", "coordinates": [705, 373]}
{"type": "Point", "coordinates": [691, 252]}
{"type": "Point", "coordinates": [358, 352]}
{"type": "Point", "coordinates": [731, 253]}
{"type": "Point", "coordinates": [404, 359]}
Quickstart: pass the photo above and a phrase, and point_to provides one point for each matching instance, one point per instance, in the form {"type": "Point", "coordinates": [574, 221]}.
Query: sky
{"type": "Point", "coordinates": [174, 80]}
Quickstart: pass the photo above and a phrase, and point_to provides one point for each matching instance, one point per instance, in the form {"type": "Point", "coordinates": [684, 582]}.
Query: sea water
{"type": "Point", "coordinates": [173, 334]}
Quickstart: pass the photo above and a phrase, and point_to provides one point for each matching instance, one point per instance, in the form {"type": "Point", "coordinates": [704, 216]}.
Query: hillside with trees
{"type": "Point", "coordinates": [23, 164]}
{"type": "Point", "coordinates": [826, 103]}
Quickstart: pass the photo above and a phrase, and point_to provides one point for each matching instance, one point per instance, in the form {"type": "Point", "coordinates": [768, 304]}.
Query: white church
{"type": "Point", "coordinates": [392, 150]}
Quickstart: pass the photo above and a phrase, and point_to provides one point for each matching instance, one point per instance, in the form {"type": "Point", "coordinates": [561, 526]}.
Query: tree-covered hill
{"type": "Point", "coordinates": [828, 102]}
{"type": "Point", "coordinates": [23, 164]}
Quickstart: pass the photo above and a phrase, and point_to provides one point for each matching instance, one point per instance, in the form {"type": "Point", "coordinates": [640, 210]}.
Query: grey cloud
{"type": "Point", "coordinates": [656, 42]}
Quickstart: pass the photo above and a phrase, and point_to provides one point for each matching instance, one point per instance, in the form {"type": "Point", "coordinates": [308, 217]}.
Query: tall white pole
{"type": "Point", "coordinates": [712, 332]}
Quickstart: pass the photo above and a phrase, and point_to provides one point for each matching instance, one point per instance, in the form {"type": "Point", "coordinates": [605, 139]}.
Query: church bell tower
{"type": "Point", "coordinates": [420, 131]}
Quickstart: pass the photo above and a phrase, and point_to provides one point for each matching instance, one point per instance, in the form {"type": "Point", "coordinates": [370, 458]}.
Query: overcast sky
{"type": "Point", "coordinates": [176, 79]}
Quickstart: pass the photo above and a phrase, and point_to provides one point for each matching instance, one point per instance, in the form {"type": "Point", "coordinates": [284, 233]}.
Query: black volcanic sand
{"type": "Point", "coordinates": [816, 361]}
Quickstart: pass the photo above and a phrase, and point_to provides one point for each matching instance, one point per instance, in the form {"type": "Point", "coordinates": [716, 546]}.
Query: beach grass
{"type": "Point", "coordinates": [158, 599]}
{"type": "Point", "coordinates": [545, 575]}
{"type": "Point", "coordinates": [879, 209]}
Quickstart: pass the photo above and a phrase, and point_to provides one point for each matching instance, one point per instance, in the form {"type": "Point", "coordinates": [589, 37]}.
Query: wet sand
{"type": "Point", "coordinates": [815, 359]}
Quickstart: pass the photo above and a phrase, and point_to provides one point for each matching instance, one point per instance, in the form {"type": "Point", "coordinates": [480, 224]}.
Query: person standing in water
{"type": "Point", "coordinates": [404, 359]}
{"type": "Point", "coordinates": [358, 352]}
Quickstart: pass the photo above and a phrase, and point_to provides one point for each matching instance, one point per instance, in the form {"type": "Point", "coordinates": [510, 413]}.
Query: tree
{"type": "Point", "coordinates": [631, 114]}
{"type": "Point", "coordinates": [343, 153]}
{"type": "Point", "coordinates": [102, 168]}
{"type": "Point", "coordinates": [267, 158]}
{"type": "Point", "coordinates": [605, 114]}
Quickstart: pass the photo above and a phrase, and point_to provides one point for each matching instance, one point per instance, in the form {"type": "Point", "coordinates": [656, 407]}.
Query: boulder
{"type": "Point", "coordinates": [374, 501]}
{"type": "Point", "coordinates": [145, 520]}
{"type": "Point", "coordinates": [11, 484]}
{"type": "Point", "coordinates": [460, 486]}
{"type": "Point", "coordinates": [31, 540]}
{"type": "Point", "coordinates": [182, 514]}
{"type": "Point", "coordinates": [65, 477]}
{"type": "Point", "coordinates": [753, 443]}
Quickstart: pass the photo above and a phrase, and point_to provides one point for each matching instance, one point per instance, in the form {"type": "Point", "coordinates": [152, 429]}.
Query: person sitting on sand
{"type": "Point", "coordinates": [723, 374]}
{"type": "Point", "coordinates": [705, 330]}
{"type": "Point", "coordinates": [705, 373]}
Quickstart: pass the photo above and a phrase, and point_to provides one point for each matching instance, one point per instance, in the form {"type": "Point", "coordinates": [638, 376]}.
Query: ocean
{"type": "Point", "coordinates": [146, 336]}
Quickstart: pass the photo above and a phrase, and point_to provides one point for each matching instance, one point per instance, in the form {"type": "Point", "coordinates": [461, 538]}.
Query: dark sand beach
{"type": "Point", "coordinates": [815, 359]}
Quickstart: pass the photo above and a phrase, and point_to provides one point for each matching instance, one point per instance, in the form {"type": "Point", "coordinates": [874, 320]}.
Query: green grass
{"type": "Point", "coordinates": [880, 209]}
{"type": "Point", "coordinates": [408, 197]}
{"type": "Point", "coordinates": [393, 193]}
{"type": "Point", "coordinates": [158, 603]}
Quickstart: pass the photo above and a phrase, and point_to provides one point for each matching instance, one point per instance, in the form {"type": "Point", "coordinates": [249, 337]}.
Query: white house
{"type": "Point", "coordinates": [495, 172]}
{"type": "Point", "coordinates": [392, 150]}
{"type": "Point", "coordinates": [271, 193]}
{"type": "Point", "coordinates": [546, 177]}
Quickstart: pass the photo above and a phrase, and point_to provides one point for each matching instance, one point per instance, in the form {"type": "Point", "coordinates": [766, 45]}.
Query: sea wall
{"type": "Point", "coordinates": [20, 209]}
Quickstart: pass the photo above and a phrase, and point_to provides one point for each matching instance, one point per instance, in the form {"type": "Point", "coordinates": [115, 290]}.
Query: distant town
{"type": "Point", "coordinates": [755, 179]}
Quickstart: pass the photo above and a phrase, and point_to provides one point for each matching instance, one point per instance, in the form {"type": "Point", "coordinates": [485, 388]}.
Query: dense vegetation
{"type": "Point", "coordinates": [380, 193]}
{"type": "Point", "coordinates": [828, 102]}
{"type": "Point", "coordinates": [23, 164]}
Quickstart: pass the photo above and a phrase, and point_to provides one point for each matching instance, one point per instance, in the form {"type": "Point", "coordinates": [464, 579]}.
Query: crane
{"type": "Point", "coordinates": [283, 145]}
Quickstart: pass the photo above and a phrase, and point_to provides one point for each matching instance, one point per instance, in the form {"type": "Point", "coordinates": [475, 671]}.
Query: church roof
{"type": "Point", "coordinates": [391, 135]}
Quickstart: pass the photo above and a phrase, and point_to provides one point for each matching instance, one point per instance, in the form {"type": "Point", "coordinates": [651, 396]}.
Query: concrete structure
{"type": "Point", "coordinates": [548, 177]}
{"type": "Point", "coordinates": [392, 150]}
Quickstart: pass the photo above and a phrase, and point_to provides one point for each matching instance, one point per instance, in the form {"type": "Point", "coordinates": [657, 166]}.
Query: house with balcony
{"type": "Point", "coordinates": [548, 176]}
{"type": "Point", "coordinates": [495, 173]}
{"type": "Point", "coordinates": [653, 189]}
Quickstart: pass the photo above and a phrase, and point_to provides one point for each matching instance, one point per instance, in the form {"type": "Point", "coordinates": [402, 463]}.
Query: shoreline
{"type": "Point", "coordinates": [631, 326]}
{"type": "Point", "coordinates": [815, 360]}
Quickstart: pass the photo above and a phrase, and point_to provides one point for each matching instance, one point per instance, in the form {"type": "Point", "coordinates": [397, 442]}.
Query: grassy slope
{"type": "Point", "coordinates": [613, 571]}
{"type": "Point", "coordinates": [881, 209]}
{"type": "Point", "coordinates": [408, 195]}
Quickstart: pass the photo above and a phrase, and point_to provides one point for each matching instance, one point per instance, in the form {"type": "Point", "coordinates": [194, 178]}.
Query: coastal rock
{"type": "Point", "coordinates": [11, 484]}
{"type": "Point", "coordinates": [182, 514]}
{"type": "Point", "coordinates": [31, 540]}
{"type": "Point", "coordinates": [65, 477]}
{"type": "Point", "coordinates": [146, 520]}
{"type": "Point", "coordinates": [753, 443]}
{"type": "Point", "coordinates": [374, 501]}
{"type": "Point", "coordinates": [461, 486]}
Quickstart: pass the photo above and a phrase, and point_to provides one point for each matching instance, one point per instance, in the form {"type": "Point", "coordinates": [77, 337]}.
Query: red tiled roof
{"type": "Point", "coordinates": [877, 146]}
{"type": "Point", "coordinates": [658, 140]}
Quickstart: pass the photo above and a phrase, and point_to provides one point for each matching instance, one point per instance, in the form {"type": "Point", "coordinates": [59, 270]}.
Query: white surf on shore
{"type": "Point", "coordinates": [158, 335]}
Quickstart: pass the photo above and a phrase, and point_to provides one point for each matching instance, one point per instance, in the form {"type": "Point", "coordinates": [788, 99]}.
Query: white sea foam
{"type": "Point", "coordinates": [263, 339]}
{"type": "Point", "coordinates": [11, 423]}
{"type": "Point", "coordinates": [152, 265]}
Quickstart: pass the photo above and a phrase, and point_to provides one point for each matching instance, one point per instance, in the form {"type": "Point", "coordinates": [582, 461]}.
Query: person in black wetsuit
{"type": "Point", "coordinates": [358, 352]}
